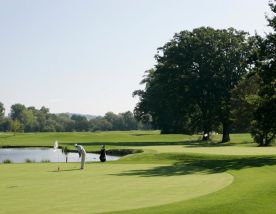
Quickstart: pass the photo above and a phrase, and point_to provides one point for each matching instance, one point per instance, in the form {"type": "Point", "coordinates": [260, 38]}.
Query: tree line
{"type": "Point", "coordinates": [213, 80]}
{"type": "Point", "coordinates": [30, 119]}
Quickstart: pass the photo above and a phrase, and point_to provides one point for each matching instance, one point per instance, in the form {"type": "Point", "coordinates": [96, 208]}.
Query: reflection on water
{"type": "Point", "coordinates": [20, 155]}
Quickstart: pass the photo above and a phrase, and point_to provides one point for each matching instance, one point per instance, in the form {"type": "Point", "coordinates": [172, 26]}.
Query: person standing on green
{"type": "Point", "coordinates": [82, 154]}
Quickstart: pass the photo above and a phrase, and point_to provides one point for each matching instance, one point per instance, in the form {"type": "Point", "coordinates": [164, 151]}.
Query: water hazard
{"type": "Point", "coordinates": [22, 155]}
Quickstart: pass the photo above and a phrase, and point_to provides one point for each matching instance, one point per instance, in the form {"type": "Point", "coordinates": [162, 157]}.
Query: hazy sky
{"type": "Point", "coordinates": [86, 56]}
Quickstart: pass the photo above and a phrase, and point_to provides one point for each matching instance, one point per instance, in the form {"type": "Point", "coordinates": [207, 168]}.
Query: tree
{"type": "Point", "coordinates": [189, 89]}
{"type": "Point", "coordinates": [232, 64]}
{"type": "Point", "coordinates": [122, 121]}
{"type": "Point", "coordinates": [28, 120]}
{"type": "Point", "coordinates": [81, 122]}
{"type": "Point", "coordinates": [243, 102]}
{"type": "Point", "coordinates": [65, 122]}
{"type": "Point", "coordinates": [264, 123]}
{"type": "Point", "coordinates": [114, 120]}
{"type": "Point", "coordinates": [129, 122]}
{"type": "Point", "coordinates": [100, 124]}
{"type": "Point", "coordinates": [15, 126]}
{"type": "Point", "coordinates": [6, 124]}
{"type": "Point", "coordinates": [16, 111]}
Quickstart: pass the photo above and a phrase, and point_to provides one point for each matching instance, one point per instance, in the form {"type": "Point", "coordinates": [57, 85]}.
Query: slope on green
{"type": "Point", "coordinates": [252, 192]}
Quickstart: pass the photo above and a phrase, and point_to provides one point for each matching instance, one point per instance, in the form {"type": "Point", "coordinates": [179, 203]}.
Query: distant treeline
{"type": "Point", "coordinates": [30, 119]}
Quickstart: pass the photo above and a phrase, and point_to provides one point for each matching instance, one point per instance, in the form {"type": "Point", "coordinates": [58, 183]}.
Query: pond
{"type": "Point", "coordinates": [21, 155]}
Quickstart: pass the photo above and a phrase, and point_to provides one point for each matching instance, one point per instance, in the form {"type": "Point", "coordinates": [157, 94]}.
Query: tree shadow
{"type": "Point", "coordinates": [207, 166]}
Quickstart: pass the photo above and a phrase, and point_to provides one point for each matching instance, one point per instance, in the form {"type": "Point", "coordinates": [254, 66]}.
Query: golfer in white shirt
{"type": "Point", "coordinates": [82, 154]}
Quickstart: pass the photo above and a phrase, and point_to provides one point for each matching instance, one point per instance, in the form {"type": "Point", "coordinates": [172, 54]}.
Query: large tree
{"type": "Point", "coordinates": [264, 124]}
{"type": "Point", "coordinates": [232, 63]}
{"type": "Point", "coordinates": [189, 88]}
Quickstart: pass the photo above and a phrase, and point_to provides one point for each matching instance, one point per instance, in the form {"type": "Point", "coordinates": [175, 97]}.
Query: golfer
{"type": "Point", "coordinates": [82, 154]}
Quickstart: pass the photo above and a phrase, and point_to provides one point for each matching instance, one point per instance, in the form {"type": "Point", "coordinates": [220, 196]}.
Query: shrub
{"type": "Point", "coordinates": [29, 160]}
{"type": "Point", "coordinates": [7, 161]}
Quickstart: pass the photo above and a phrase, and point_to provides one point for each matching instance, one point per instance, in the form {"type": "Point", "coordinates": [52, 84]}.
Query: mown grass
{"type": "Point", "coordinates": [175, 174]}
{"type": "Point", "coordinates": [253, 191]}
{"type": "Point", "coordinates": [92, 139]}
{"type": "Point", "coordinates": [241, 144]}
{"type": "Point", "coordinates": [39, 188]}
{"type": "Point", "coordinates": [116, 139]}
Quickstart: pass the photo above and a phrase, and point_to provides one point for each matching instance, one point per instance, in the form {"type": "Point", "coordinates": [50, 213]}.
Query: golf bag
{"type": "Point", "coordinates": [102, 155]}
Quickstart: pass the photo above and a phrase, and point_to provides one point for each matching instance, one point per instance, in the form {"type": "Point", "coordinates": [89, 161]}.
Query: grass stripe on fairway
{"type": "Point", "coordinates": [37, 188]}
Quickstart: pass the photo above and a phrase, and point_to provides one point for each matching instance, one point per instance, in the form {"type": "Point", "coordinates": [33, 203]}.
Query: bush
{"type": "Point", "coordinates": [7, 161]}
{"type": "Point", "coordinates": [29, 160]}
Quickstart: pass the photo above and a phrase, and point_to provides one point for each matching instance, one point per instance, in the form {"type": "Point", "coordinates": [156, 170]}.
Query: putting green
{"type": "Point", "coordinates": [219, 150]}
{"type": "Point", "coordinates": [37, 188]}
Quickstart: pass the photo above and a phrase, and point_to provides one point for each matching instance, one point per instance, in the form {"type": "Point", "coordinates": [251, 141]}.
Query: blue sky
{"type": "Point", "coordinates": [89, 56]}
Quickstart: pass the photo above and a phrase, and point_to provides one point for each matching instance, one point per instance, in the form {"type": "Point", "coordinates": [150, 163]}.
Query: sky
{"type": "Point", "coordinates": [88, 56]}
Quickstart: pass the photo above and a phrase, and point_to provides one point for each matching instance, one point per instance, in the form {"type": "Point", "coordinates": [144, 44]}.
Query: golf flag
{"type": "Point", "coordinates": [55, 146]}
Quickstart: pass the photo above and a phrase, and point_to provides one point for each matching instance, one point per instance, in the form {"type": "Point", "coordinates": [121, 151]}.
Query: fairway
{"type": "Point", "coordinates": [99, 188]}
{"type": "Point", "coordinates": [174, 174]}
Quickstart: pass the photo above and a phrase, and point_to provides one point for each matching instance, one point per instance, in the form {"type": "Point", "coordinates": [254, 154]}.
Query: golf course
{"type": "Point", "coordinates": [138, 107]}
{"type": "Point", "coordinates": [175, 173]}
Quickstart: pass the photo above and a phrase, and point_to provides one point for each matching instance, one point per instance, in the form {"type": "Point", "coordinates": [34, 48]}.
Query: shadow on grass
{"type": "Point", "coordinates": [144, 134]}
{"type": "Point", "coordinates": [207, 166]}
{"type": "Point", "coordinates": [10, 187]}
{"type": "Point", "coordinates": [64, 170]}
